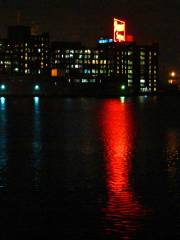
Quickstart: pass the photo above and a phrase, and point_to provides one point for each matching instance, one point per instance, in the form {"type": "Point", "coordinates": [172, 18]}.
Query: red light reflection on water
{"type": "Point", "coordinates": [122, 208]}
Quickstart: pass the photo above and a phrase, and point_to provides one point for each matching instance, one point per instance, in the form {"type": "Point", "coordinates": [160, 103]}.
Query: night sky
{"type": "Point", "coordinates": [83, 20]}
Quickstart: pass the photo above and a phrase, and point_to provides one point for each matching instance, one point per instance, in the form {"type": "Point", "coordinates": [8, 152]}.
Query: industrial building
{"type": "Point", "coordinates": [118, 63]}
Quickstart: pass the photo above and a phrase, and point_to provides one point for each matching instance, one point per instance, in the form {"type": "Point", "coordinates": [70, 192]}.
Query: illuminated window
{"type": "Point", "coordinates": [142, 57]}
{"type": "Point", "coordinates": [92, 80]}
{"type": "Point", "coordinates": [142, 53]}
{"type": "Point", "coordinates": [130, 62]}
{"type": "Point", "coordinates": [142, 62]}
{"type": "Point", "coordinates": [84, 80]}
{"type": "Point", "coordinates": [54, 72]}
{"type": "Point", "coordinates": [88, 51]}
{"type": "Point", "coordinates": [87, 71]}
{"type": "Point", "coordinates": [142, 81]}
{"type": "Point", "coordinates": [144, 89]}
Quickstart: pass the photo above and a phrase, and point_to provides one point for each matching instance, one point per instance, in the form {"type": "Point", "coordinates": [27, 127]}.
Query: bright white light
{"type": "Point", "coordinates": [173, 74]}
{"type": "Point", "coordinates": [36, 87]}
{"type": "Point", "coordinates": [3, 87]}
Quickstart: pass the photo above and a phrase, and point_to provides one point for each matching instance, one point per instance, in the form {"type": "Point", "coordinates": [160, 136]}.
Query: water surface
{"type": "Point", "coordinates": [87, 168]}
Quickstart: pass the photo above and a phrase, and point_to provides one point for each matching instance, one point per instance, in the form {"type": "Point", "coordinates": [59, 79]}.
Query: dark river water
{"type": "Point", "coordinates": [90, 169]}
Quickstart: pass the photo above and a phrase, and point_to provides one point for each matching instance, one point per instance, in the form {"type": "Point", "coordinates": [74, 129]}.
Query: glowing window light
{"type": "Point", "coordinates": [54, 72]}
{"type": "Point", "coordinates": [142, 80]}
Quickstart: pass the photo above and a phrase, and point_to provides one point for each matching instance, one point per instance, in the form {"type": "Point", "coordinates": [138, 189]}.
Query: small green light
{"type": "Point", "coordinates": [3, 87]}
{"type": "Point", "coordinates": [123, 87]}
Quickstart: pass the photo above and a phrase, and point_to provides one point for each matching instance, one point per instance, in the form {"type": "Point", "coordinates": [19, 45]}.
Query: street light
{"type": "Point", "coordinates": [36, 87]}
{"type": "Point", "coordinates": [123, 87]}
{"type": "Point", "coordinates": [3, 87]}
{"type": "Point", "coordinates": [173, 74]}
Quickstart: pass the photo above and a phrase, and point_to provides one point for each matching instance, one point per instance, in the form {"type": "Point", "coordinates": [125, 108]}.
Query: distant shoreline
{"type": "Point", "coordinates": [76, 95]}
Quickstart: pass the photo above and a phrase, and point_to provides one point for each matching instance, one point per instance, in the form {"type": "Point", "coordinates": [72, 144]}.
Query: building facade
{"type": "Point", "coordinates": [131, 66]}
{"type": "Point", "coordinates": [126, 65]}
{"type": "Point", "coordinates": [24, 54]}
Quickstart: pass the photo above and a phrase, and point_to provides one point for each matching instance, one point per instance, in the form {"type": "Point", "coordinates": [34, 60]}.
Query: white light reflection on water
{"type": "Point", "coordinates": [37, 145]}
{"type": "Point", "coordinates": [122, 99]}
{"type": "Point", "coordinates": [3, 140]}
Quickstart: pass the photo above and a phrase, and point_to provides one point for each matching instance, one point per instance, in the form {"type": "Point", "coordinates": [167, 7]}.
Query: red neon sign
{"type": "Point", "coordinates": [119, 30]}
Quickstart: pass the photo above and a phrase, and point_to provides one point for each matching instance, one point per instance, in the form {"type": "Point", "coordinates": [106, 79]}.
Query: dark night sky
{"type": "Point", "coordinates": [86, 20]}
